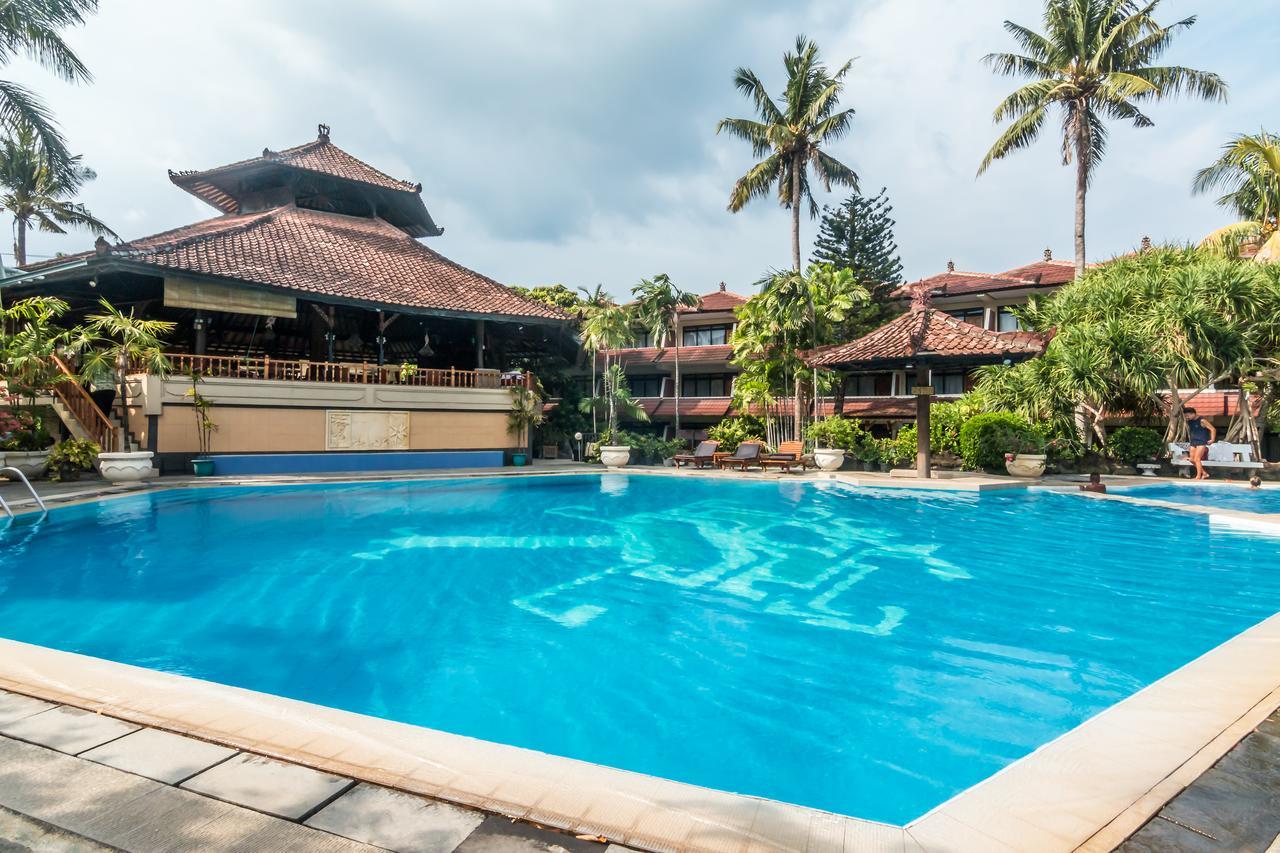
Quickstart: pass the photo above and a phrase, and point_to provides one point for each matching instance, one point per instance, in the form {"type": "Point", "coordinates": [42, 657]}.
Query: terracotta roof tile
{"type": "Point", "coordinates": [717, 353]}
{"type": "Point", "coordinates": [709, 407]}
{"type": "Point", "coordinates": [1043, 273]}
{"type": "Point", "coordinates": [718, 300]}
{"type": "Point", "coordinates": [925, 331]}
{"type": "Point", "coordinates": [328, 254]}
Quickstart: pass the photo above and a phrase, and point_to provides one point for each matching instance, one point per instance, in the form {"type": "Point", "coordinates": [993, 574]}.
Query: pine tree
{"type": "Point", "coordinates": [858, 235]}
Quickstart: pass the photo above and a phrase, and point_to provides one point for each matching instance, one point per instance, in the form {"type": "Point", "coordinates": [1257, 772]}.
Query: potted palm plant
{"type": "Point", "coordinates": [119, 342]}
{"type": "Point", "coordinates": [526, 412]}
{"type": "Point", "coordinates": [202, 465]}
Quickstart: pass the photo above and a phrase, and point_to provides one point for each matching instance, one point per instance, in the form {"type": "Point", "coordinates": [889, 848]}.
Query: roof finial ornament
{"type": "Point", "coordinates": [921, 296]}
{"type": "Point", "coordinates": [101, 246]}
{"type": "Point", "coordinates": [951, 266]}
{"type": "Point", "coordinates": [323, 132]}
{"type": "Point", "coordinates": [1146, 244]}
{"type": "Point", "coordinates": [1048, 254]}
{"type": "Point", "coordinates": [722, 287]}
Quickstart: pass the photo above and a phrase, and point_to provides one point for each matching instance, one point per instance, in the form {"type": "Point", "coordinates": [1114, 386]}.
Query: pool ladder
{"type": "Point", "coordinates": [9, 470]}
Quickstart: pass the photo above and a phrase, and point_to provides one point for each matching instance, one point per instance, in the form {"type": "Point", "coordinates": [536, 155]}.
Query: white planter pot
{"type": "Point", "coordinates": [1026, 465]}
{"type": "Point", "coordinates": [126, 467]}
{"type": "Point", "coordinates": [828, 458]}
{"type": "Point", "coordinates": [33, 463]}
{"type": "Point", "coordinates": [615, 456]}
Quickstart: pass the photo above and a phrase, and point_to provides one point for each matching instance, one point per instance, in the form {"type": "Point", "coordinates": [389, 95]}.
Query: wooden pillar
{"type": "Point", "coordinates": [924, 398]}
{"type": "Point", "coordinates": [479, 344]}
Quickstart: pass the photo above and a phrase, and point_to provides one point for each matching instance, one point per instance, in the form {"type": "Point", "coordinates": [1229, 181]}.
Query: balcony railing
{"type": "Point", "coordinates": [349, 373]}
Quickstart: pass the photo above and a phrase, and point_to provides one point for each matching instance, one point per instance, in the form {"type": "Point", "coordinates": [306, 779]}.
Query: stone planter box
{"type": "Point", "coordinates": [615, 456]}
{"type": "Point", "coordinates": [1026, 465]}
{"type": "Point", "coordinates": [126, 467]}
{"type": "Point", "coordinates": [32, 463]}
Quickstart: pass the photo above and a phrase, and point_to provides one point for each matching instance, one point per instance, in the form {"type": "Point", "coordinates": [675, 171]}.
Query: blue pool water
{"type": "Point", "coordinates": [870, 653]}
{"type": "Point", "coordinates": [1265, 499]}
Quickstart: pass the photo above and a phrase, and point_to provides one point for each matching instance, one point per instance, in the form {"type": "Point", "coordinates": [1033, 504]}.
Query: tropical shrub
{"type": "Point", "coordinates": [72, 456]}
{"type": "Point", "coordinates": [846, 434]}
{"type": "Point", "coordinates": [645, 449]}
{"type": "Point", "coordinates": [901, 449]}
{"type": "Point", "coordinates": [945, 421]}
{"type": "Point", "coordinates": [1132, 445]}
{"type": "Point", "coordinates": [731, 432]}
{"type": "Point", "coordinates": [23, 431]}
{"type": "Point", "coordinates": [986, 438]}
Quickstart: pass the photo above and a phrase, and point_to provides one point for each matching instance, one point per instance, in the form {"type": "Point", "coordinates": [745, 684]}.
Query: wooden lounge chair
{"type": "Point", "coordinates": [703, 456]}
{"type": "Point", "coordinates": [790, 454]}
{"type": "Point", "coordinates": [747, 454]}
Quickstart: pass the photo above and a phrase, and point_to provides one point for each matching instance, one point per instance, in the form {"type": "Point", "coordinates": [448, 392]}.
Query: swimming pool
{"type": "Point", "coordinates": [1263, 500]}
{"type": "Point", "coordinates": [870, 652]}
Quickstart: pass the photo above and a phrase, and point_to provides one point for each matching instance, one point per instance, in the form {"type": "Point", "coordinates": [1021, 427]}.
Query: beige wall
{"type": "Point", "coordinates": [267, 429]}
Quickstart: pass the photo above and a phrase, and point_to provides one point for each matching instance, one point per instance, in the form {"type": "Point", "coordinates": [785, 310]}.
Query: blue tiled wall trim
{"type": "Point", "coordinates": [315, 463]}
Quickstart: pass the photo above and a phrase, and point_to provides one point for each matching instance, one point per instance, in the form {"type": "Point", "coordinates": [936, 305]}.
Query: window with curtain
{"type": "Point", "coordinates": [707, 385]}
{"type": "Point", "coordinates": [645, 386]}
{"type": "Point", "coordinates": [972, 316]}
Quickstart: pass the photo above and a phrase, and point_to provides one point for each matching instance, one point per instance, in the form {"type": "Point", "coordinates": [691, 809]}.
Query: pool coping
{"type": "Point", "coordinates": [1087, 789]}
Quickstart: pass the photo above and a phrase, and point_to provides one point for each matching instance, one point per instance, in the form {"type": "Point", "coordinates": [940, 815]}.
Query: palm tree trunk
{"type": "Point", "coordinates": [796, 166]}
{"type": "Point", "coordinates": [595, 392]}
{"type": "Point", "coordinates": [1082, 185]}
{"type": "Point", "coordinates": [20, 242]}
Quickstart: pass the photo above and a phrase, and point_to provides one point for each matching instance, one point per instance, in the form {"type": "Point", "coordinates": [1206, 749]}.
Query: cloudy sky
{"type": "Point", "coordinates": [574, 142]}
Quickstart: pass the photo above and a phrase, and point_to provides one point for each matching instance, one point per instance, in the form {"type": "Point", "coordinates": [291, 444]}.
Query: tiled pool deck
{"type": "Point", "coordinates": [1090, 789]}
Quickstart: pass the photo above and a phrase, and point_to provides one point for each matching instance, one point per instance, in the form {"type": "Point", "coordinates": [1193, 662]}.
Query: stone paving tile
{"type": "Point", "coordinates": [21, 834]}
{"type": "Point", "coordinates": [397, 821]}
{"type": "Point", "coordinates": [285, 790]}
{"type": "Point", "coordinates": [502, 835]}
{"type": "Point", "coordinates": [14, 707]}
{"type": "Point", "coordinates": [159, 755]}
{"type": "Point", "coordinates": [69, 730]}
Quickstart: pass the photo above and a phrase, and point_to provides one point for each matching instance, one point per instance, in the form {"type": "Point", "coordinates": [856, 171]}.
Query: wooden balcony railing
{"type": "Point", "coordinates": [92, 420]}
{"type": "Point", "coordinates": [349, 373]}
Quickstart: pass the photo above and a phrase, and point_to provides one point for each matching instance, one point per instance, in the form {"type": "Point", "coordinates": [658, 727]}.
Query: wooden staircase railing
{"type": "Point", "coordinates": [92, 419]}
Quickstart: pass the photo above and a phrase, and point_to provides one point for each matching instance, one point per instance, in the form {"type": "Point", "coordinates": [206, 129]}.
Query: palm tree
{"type": "Point", "coordinates": [39, 195]}
{"type": "Point", "coordinates": [114, 341]}
{"type": "Point", "coordinates": [1249, 172]}
{"type": "Point", "coordinates": [790, 135]}
{"type": "Point", "coordinates": [658, 304]}
{"type": "Point", "coordinates": [31, 28]}
{"type": "Point", "coordinates": [1093, 62]}
{"type": "Point", "coordinates": [607, 328]}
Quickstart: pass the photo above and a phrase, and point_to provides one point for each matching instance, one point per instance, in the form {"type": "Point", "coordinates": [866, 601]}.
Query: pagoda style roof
{"type": "Point", "coordinates": [1047, 272]}
{"type": "Point", "coordinates": [926, 334]}
{"type": "Point", "coordinates": [716, 301]}
{"type": "Point", "coordinates": [292, 249]}
{"type": "Point", "coordinates": [316, 174]}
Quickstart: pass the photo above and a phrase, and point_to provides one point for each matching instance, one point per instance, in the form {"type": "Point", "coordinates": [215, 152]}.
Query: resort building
{"type": "Point", "coordinates": [980, 299]}
{"type": "Point", "coordinates": [705, 333]}
{"type": "Point", "coordinates": [320, 328]}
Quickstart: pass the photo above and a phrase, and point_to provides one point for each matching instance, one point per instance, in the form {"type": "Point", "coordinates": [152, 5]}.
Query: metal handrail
{"type": "Point", "coordinates": [9, 469]}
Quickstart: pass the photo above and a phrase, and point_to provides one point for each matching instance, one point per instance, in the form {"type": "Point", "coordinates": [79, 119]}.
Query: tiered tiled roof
{"type": "Point", "coordinates": [353, 258]}
{"type": "Point", "coordinates": [927, 333]}
{"type": "Point", "coordinates": [1043, 273]}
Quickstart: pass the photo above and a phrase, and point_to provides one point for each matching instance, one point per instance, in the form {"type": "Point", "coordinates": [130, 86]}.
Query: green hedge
{"type": "Point", "coordinates": [1132, 445]}
{"type": "Point", "coordinates": [986, 438]}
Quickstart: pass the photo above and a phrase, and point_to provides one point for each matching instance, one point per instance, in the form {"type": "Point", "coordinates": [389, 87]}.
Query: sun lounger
{"type": "Point", "coordinates": [747, 454]}
{"type": "Point", "coordinates": [790, 454]}
{"type": "Point", "coordinates": [701, 457]}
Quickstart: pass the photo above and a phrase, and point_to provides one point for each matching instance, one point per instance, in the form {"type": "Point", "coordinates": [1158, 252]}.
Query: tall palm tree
{"type": "Point", "coordinates": [115, 342]}
{"type": "Point", "coordinates": [32, 28]}
{"type": "Point", "coordinates": [658, 304]}
{"type": "Point", "coordinates": [39, 195]}
{"type": "Point", "coordinates": [1093, 62]}
{"type": "Point", "coordinates": [607, 328]}
{"type": "Point", "coordinates": [790, 135]}
{"type": "Point", "coordinates": [1249, 171]}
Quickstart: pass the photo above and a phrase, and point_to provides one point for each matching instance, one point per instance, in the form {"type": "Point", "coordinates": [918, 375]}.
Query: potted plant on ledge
{"type": "Point", "coordinates": [202, 465]}
{"type": "Point", "coordinates": [119, 342]}
{"type": "Point", "coordinates": [526, 412]}
{"type": "Point", "coordinates": [72, 457]}
{"type": "Point", "coordinates": [1026, 456]}
{"type": "Point", "coordinates": [25, 442]}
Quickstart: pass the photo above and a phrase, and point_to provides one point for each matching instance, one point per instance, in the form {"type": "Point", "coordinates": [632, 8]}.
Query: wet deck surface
{"type": "Point", "coordinates": [1234, 806]}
